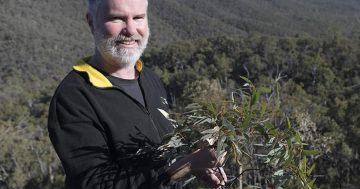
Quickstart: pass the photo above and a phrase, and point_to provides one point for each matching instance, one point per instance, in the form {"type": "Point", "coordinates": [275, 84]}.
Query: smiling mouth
{"type": "Point", "coordinates": [126, 42]}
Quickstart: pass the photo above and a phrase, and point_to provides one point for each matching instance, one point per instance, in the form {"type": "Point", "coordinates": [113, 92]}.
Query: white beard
{"type": "Point", "coordinates": [121, 57]}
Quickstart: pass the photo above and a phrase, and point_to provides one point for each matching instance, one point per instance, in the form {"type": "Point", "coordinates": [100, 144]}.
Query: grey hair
{"type": "Point", "coordinates": [94, 4]}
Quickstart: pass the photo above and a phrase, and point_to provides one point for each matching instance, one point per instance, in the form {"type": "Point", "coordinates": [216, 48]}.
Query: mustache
{"type": "Point", "coordinates": [121, 38]}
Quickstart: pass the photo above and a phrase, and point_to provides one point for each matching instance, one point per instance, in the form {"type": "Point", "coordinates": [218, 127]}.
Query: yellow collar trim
{"type": "Point", "coordinates": [96, 78]}
{"type": "Point", "coordinates": [139, 65]}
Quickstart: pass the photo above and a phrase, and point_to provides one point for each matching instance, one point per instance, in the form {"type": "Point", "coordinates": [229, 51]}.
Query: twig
{"type": "Point", "coordinates": [231, 181]}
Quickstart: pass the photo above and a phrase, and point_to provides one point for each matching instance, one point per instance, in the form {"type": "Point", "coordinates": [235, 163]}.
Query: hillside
{"type": "Point", "coordinates": [50, 35]}
{"type": "Point", "coordinates": [276, 17]}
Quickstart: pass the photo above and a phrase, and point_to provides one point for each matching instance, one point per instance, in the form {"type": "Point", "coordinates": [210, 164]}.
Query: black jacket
{"type": "Point", "coordinates": [97, 130]}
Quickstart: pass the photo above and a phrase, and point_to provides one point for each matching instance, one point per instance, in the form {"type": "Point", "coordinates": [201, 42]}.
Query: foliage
{"type": "Point", "coordinates": [319, 81]}
{"type": "Point", "coordinates": [242, 128]}
{"type": "Point", "coordinates": [188, 19]}
{"type": "Point", "coordinates": [27, 159]}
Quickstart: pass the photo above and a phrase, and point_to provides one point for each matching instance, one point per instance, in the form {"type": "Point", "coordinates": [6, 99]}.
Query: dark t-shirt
{"type": "Point", "coordinates": [130, 87]}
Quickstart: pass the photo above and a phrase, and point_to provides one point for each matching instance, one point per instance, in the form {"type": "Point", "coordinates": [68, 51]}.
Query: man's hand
{"type": "Point", "coordinates": [206, 166]}
{"type": "Point", "coordinates": [203, 164]}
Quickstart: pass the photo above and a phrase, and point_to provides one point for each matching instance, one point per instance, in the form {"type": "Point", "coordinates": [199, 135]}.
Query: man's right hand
{"type": "Point", "coordinates": [206, 166]}
{"type": "Point", "coordinates": [203, 164]}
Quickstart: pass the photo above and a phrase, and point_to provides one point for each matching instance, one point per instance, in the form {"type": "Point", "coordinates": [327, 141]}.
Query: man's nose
{"type": "Point", "coordinates": [130, 28]}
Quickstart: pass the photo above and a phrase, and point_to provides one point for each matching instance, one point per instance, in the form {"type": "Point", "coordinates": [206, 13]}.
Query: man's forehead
{"type": "Point", "coordinates": [124, 2]}
{"type": "Point", "coordinates": [116, 6]}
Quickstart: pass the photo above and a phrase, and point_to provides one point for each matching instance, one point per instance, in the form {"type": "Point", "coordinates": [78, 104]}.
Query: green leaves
{"type": "Point", "coordinates": [243, 127]}
{"type": "Point", "coordinates": [310, 152]}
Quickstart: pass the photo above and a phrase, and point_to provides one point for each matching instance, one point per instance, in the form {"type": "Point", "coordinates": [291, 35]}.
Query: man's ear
{"type": "Point", "coordinates": [90, 22]}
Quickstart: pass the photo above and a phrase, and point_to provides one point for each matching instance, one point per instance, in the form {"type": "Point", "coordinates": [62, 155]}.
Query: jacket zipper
{"type": "Point", "coordinates": [147, 106]}
{"type": "Point", "coordinates": [145, 109]}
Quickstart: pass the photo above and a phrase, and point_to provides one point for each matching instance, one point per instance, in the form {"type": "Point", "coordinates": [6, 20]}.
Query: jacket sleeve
{"type": "Point", "coordinates": [81, 144]}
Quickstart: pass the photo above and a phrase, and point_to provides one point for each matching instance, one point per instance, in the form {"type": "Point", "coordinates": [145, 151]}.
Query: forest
{"type": "Point", "coordinates": [306, 52]}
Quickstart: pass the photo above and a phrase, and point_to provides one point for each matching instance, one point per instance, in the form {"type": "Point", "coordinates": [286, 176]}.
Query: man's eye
{"type": "Point", "coordinates": [138, 18]}
{"type": "Point", "coordinates": [115, 19]}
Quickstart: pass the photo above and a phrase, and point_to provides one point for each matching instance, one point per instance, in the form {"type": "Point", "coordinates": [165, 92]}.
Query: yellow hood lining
{"type": "Point", "coordinates": [96, 78]}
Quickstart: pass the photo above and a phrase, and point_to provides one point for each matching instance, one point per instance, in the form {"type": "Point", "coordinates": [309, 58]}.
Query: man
{"type": "Point", "coordinates": [110, 106]}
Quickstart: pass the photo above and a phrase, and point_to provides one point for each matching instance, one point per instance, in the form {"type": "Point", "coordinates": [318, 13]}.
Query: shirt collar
{"type": "Point", "coordinates": [96, 78]}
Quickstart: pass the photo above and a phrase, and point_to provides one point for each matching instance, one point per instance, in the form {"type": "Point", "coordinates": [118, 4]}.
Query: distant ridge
{"type": "Point", "coordinates": [42, 31]}
{"type": "Point", "coordinates": [193, 19]}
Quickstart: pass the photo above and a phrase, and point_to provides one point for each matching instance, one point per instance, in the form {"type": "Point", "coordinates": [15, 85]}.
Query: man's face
{"type": "Point", "coordinates": [120, 29]}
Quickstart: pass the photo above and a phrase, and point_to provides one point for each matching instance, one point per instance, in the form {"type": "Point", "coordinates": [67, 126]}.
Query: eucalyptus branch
{"type": "Point", "coordinates": [240, 127]}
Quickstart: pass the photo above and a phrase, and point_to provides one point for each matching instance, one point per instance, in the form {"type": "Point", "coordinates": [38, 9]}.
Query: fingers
{"type": "Point", "coordinates": [205, 164]}
{"type": "Point", "coordinates": [216, 177]}
{"type": "Point", "coordinates": [221, 175]}
{"type": "Point", "coordinates": [213, 179]}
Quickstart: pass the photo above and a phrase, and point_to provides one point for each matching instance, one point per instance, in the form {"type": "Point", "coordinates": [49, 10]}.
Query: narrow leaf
{"type": "Point", "coordinates": [310, 152]}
